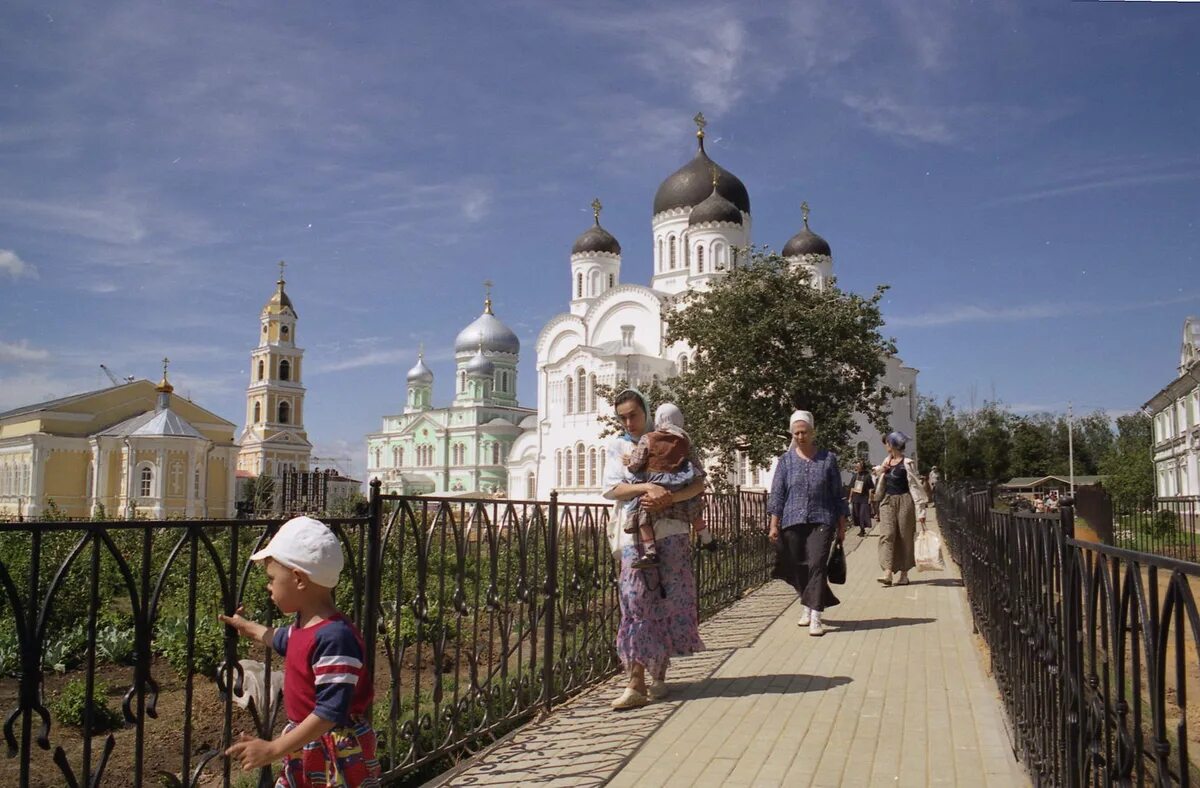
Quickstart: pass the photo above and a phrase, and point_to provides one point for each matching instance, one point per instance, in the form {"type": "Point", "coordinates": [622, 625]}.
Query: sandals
{"type": "Point", "coordinates": [630, 699]}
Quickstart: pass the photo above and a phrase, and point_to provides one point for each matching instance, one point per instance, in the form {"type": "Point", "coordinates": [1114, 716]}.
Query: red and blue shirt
{"type": "Point", "coordinates": [324, 671]}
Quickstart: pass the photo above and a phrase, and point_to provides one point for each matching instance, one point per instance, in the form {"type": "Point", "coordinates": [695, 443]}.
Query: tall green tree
{"type": "Point", "coordinates": [1129, 467]}
{"type": "Point", "coordinates": [767, 343]}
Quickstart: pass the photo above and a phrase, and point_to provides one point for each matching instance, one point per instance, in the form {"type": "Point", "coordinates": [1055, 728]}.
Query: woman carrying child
{"type": "Point", "coordinates": [658, 606]}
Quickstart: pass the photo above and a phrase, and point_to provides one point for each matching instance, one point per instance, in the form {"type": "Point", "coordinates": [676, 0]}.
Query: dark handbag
{"type": "Point", "coordinates": [835, 570]}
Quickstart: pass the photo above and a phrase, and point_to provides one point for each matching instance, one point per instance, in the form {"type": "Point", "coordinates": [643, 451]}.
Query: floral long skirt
{"type": "Point", "coordinates": [658, 607]}
{"type": "Point", "coordinates": [343, 757]}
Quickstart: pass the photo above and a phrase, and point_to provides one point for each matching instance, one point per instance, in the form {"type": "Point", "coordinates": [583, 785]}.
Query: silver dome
{"type": "Point", "coordinates": [420, 373]}
{"type": "Point", "coordinates": [480, 365]}
{"type": "Point", "coordinates": [495, 336]}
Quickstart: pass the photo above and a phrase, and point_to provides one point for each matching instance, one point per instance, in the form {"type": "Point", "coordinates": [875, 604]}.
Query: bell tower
{"type": "Point", "coordinates": [274, 439]}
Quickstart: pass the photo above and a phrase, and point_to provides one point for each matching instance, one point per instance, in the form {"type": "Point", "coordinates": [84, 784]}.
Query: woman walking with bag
{"type": "Point", "coordinates": [658, 605]}
{"type": "Point", "coordinates": [861, 488]}
{"type": "Point", "coordinates": [901, 498]}
{"type": "Point", "coordinates": [807, 506]}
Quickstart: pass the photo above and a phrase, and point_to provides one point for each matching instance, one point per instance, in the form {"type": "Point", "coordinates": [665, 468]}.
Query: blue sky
{"type": "Point", "coordinates": [1024, 175]}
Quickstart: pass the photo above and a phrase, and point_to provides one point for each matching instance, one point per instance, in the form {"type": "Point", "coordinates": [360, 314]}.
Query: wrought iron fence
{"type": "Point", "coordinates": [110, 627]}
{"type": "Point", "coordinates": [1094, 647]}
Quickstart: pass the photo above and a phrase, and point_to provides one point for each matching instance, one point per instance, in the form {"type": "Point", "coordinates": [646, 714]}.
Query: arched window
{"type": "Point", "coordinates": [558, 469]}
{"type": "Point", "coordinates": [196, 484]}
{"type": "Point", "coordinates": [285, 370]}
{"type": "Point", "coordinates": [570, 394]}
{"type": "Point", "coordinates": [462, 381]}
{"type": "Point", "coordinates": [612, 280]}
{"type": "Point", "coordinates": [659, 259]}
{"type": "Point", "coordinates": [530, 486]}
{"type": "Point", "coordinates": [671, 253]}
{"type": "Point", "coordinates": [593, 468]}
{"type": "Point", "coordinates": [261, 367]}
{"type": "Point", "coordinates": [699, 259]}
{"type": "Point", "coordinates": [568, 467]}
{"type": "Point", "coordinates": [683, 365]}
{"type": "Point", "coordinates": [592, 393]}
{"type": "Point", "coordinates": [579, 285]}
{"type": "Point", "coordinates": [378, 456]}
{"type": "Point", "coordinates": [257, 412]}
{"type": "Point", "coordinates": [580, 465]}
{"type": "Point", "coordinates": [495, 454]}
{"type": "Point", "coordinates": [285, 412]}
{"type": "Point", "coordinates": [145, 488]}
{"type": "Point", "coordinates": [581, 377]}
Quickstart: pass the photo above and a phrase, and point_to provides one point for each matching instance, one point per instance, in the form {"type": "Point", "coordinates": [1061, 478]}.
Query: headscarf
{"type": "Point", "coordinates": [801, 415]}
{"type": "Point", "coordinates": [669, 418]}
{"type": "Point", "coordinates": [645, 407]}
{"type": "Point", "coordinates": [897, 440]}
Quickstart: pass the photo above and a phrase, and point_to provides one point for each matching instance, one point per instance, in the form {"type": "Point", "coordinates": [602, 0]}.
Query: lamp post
{"type": "Point", "coordinates": [1071, 445]}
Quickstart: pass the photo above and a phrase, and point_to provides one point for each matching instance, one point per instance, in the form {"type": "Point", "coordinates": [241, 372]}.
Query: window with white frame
{"type": "Point", "coordinates": [580, 466]}
{"type": "Point", "coordinates": [569, 467]}
{"type": "Point", "coordinates": [146, 482]}
{"type": "Point", "coordinates": [581, 382]}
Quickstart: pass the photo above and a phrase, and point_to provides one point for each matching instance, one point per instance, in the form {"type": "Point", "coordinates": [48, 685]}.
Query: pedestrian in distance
{"type": "Point", "coordinates": [862, 484]}
{"type": "Point", "coordinates": [901, 500]}
{"type": "Point", "coordinates": [328, 739]}
{"type": "Point", "coordinates": [808, 511]}
{"type": "Point", "coordinates": [658, 605]}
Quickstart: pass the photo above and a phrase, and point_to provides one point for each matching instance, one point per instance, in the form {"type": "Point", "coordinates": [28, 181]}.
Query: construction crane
{"type": "Point", "coordinates": [115, 380]}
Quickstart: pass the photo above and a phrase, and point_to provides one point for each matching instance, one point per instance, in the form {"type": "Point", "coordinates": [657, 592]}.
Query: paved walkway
{"type": "Point", "coordinates": [895, 694]}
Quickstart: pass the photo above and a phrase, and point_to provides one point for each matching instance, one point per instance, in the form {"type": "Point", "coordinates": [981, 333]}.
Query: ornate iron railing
{"type": "Point", "coordinates": [1094, 647]}
{"type": "Point", "coordinates": [111, 627]}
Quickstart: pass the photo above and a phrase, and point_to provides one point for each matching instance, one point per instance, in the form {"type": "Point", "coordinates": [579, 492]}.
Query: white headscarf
{"type": "Point", "coordinates": [801, 415]}
{"type": "Point", "coordinates": [669, 418]}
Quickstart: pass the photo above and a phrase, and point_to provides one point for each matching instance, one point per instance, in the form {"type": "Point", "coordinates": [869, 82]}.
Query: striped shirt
{"type": "Point", "coordinates": [323, 671]}
{"type": "Point", "coordinates": [807, 491]}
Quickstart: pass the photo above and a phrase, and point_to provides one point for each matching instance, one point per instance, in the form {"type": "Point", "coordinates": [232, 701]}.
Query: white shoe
{"type": "Point", "coordinates": [804, 616]}
{"type": "Point", "coordinates": [815, 627]}
{"type": "Point", "coordinates": [658, 690]}
{"type": "Point", "coordinates": [629, 699]}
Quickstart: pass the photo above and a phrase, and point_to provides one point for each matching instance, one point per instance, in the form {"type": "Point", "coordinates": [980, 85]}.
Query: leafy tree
{"type": "Point", "coordinates": [1032, 449]}
{"type": "Point", "coordinates": [767, 343]}
{"type": "Point", "coordinates": [260, 494]}
{"type": "Point", "coordinates": [1129, 467]}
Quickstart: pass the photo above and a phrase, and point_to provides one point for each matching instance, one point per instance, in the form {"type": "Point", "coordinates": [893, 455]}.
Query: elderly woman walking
{"type": "Point", "coordinates": [658, 605]}
{"type": "Point", "coordinates": [807, 505]}
{"type": "Point", "coordinates": [902, 501]}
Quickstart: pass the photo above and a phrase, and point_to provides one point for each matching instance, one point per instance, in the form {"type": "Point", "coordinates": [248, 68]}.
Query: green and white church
{"type": "Point", "coordinates": [462, 448]}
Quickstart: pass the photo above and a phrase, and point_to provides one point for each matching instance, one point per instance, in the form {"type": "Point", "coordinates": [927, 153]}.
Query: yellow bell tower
{"type": "Point", "coordinates": [274, 439]}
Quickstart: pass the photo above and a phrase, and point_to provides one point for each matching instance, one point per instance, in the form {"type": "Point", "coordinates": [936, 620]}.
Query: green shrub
{"type": "Point", "coordinates": [1163, 523]}
{"type": "Point", "coordinates": [10, 650]}
{"type": "Point", "coordinates": [170, 640]}
{"type": "Point", "coordinates": [114, 644]}
{"type": "Point", "coordinates": [62, 651]}
{"type": "Point", "coordinates": [69, 705]}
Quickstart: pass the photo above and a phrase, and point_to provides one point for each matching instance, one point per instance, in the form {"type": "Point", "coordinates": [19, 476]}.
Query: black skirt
{"type": "Point", "coordinates": [801, 560]}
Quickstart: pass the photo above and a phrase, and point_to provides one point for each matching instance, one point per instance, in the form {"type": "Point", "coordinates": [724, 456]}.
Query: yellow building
{"type": "Point", "coordinates": [274, 440]}
{"type": "Point", "coordinates": [133, 450]}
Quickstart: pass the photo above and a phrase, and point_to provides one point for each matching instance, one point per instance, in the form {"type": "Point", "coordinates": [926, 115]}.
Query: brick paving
{"type": "Point", "coordinates": [895, 694]}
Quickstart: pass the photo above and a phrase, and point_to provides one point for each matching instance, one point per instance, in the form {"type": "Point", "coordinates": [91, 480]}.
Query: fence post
{"type": "Point", "coordinates": [370, 622]}
{"type": "Point", "coordinates": [737, 539]}
{"type": "Point", "coordinates": [1070, 674]}
{"type": "Point", "coordinates": [551, 593]}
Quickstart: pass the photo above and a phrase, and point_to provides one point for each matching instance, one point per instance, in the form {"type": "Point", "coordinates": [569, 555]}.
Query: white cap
{"type": "Point", "coordinates": [801, 415]}
{"type": "Point", "coordinates": [308, 545]}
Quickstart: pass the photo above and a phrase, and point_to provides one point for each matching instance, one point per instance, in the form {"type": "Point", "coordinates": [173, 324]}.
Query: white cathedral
{"type": "Point", "coordinates": [614, 331]}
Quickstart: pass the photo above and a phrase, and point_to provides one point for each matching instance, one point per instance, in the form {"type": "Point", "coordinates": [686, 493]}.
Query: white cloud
{"type": "Point", "coordinates": [888, 116]}
{"type": "Point", "coordinates": [21, 351]}
{"type": "Point", "coordinates": [972, 313]}
{"type": "Point", "coordinates": [12, 264]}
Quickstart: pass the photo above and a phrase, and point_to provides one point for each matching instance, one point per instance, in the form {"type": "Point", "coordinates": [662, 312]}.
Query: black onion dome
{"type": "Point", "coordinates": [692, 183]}
{"type": "Point", "coordinates": [715, 208]}
{"type": "Point", "coordinates": [806, 242]}
{"type": "Point", "coordinates": [596, 239]}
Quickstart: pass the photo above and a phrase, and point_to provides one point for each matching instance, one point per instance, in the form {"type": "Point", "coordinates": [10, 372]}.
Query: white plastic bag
{"type": "Point", "coordinates": [254, 686]}
{"type": "Point", "coordinates": [928, 549]}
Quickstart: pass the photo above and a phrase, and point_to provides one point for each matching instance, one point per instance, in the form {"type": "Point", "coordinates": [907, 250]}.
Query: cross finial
{"type": "Point", "coordinates": [166, 363]}
{"type": "Point", "coordinates": [421, 351]}
{"type": "Point", "coordinates": [596, 206]}
{"type": "Point", "coordinates": [487, 299]}
{"type": "Point", "coordinates": [700, 124]}
{"type": "Point", "coordinates": [804, 213]}
{"type": "Point", "coordinates": [282, 265]}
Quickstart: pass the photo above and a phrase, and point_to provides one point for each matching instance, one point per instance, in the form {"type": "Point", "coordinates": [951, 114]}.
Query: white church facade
{"type": "Point", "coordinates": [614, 331]}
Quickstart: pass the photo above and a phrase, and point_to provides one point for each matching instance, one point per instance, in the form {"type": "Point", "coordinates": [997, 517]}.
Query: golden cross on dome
{"type": "Point", "coordinates": [700, 123]}
{"type": "Point", "coordinates": [487, 300]}
{"type": "Point", "coordinates": [166, 363]}
{"type": "Point", "coordinates": [596, 206]}
{"type": "Point", "coordinates": [804, 213]}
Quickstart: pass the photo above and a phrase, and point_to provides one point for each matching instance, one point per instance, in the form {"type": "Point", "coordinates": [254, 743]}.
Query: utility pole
{"type": "Point", "coordinates": [1071, 444]}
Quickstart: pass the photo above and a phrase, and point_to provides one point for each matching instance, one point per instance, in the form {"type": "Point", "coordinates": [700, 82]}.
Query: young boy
{"type": "Point", "coordinates": [661, 457]}
{"type": "Point", "coordinates": [325, 689]}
